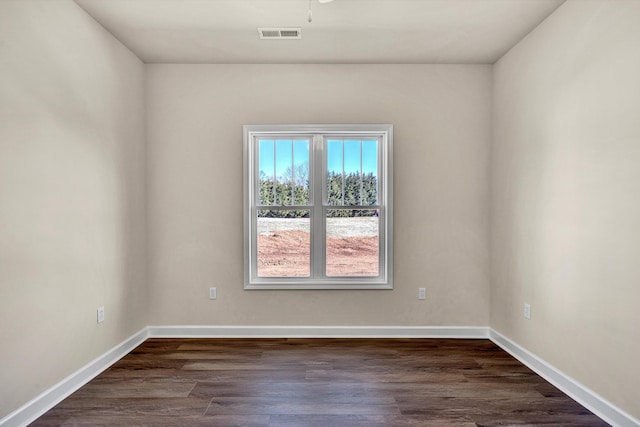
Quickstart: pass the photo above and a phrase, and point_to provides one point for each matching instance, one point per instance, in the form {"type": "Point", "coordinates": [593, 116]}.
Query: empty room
{"type": "Point", "coordinates": [319, 212]}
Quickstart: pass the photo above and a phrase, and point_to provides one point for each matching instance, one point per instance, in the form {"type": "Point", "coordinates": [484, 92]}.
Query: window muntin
{"type": "Point", "coordinates": [318, 207]}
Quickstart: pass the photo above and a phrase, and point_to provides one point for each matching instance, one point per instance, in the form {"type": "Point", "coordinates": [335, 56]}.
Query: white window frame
{"type": "Point", "coordinates": [317, 168]}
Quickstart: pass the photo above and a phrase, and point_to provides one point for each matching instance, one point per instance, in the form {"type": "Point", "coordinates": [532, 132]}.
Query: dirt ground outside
{"type": "Point", "coordinates": [284, 247]}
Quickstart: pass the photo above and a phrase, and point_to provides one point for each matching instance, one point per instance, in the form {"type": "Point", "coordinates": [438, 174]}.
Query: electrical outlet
{"type": "Point", "coordinates": [422, 293]}
{"type": "Point", "coordinates": [527, 311]}
{"type": "Point", "coordinates": [213, 293]}
{"type": "Point", "coordinates": [100, 314]}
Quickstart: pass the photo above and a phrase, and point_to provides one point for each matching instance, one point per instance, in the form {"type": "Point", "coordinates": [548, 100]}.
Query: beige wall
{"type": "Point", "coordinates": [566, 206]}
{"type": "Point", "coordinates": [441, 118]}
{"type": "Point", "coordinates": [72, 200]}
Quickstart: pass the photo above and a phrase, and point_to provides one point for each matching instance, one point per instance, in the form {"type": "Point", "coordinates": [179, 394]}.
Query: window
{"type": "Point", "coordinates": [318, 207]}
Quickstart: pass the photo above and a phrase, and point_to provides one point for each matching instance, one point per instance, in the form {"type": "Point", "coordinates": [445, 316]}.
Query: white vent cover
{"type": "Point", "coordinates": [280, 33]}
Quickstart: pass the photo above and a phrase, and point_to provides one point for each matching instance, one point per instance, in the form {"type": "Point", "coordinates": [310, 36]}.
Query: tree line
{"type": "Point", "coordinates": [358, 190]}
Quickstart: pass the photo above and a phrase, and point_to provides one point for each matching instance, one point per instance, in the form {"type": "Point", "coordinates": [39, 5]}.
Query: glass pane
{"type": "Point", "coordinates": [301, 172]}
{"type": "Point", "coordinates": [266, 168]}
{"type": "Point", "coordinates": [352, 167]}
{"type": "Point", "coordinates": [352, 172]}
{"type": "Point", "coordinates": [284, 172]}
{"type": "Point", "coordinates": [334, 172]}
{"type": "Point", "coordinates": [370, 172]}
{"type": "Point", "coordinates": [352, 157]}
{"type": "Point", "coordinates": [352, 242]}
{"type": "Point", "coordinates": [284, 243]}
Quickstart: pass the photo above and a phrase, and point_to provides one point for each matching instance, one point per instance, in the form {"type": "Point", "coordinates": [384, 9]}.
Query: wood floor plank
{"type": "Point", "coordinates": [365, 421]}
{"type": "Point", "coordinates": [318, 382]}
{"type": "Point", "coordinates": [159, 421]}
{"type": "Point", "coordinates": [231, 406]}
{"type": "Point", "coordinates": [309, 391]}
{"type": "Point", "coordinates": [136, 388]}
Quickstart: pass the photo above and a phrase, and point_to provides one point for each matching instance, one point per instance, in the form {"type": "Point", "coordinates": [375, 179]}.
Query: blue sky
{"type": "Point", "coordinates": [298, 151]}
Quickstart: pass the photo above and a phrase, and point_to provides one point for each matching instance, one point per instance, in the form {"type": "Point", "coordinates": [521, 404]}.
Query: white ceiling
{"type": "Point", "coordinates": [343, 31]}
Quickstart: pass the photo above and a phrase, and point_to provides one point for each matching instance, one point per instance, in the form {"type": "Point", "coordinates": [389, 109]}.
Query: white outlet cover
{"type": "Point", "coordinates": [527, 311]}
{"type": "Point", "coordinates": [422, 293]}
{"type": "Point", "coordinates": [213, 293]}
{"type": "Point", "coordinates": [100, 314]}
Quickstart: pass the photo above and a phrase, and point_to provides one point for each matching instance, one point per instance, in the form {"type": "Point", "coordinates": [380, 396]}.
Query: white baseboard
{"type": "Point", "coordinates": [319, 332]}
{"type": "Point", "coordinates": [581, 394]}
{"type": "Point", "coordinates": [37, 406]}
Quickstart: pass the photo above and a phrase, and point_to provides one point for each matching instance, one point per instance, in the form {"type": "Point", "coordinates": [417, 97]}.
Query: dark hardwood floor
{"type": "Point", "coordinates": [318, 382]}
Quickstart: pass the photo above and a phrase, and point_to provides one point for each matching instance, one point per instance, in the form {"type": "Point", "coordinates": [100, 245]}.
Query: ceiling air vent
{"type": "Point", "coordinates": [280, 33]}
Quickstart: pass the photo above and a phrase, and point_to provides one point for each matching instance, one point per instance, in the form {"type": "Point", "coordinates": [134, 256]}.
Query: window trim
{"type": "Point", "coordinates": [318, 160]}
